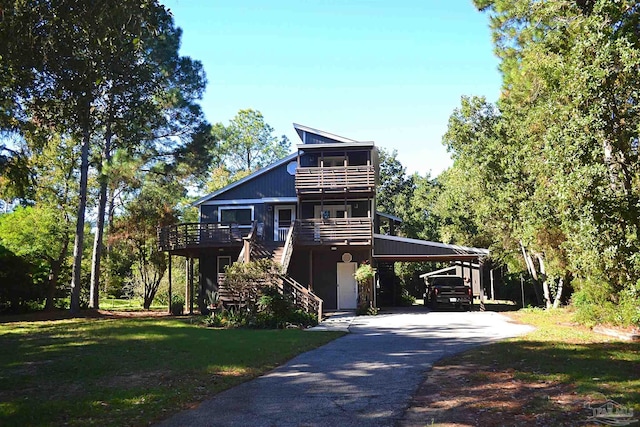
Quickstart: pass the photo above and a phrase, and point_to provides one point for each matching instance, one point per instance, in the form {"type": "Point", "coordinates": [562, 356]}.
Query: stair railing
{"type": "Point", "coordinates": [288, 248]}
{"type": "Point", "coordinates": [302, 297]}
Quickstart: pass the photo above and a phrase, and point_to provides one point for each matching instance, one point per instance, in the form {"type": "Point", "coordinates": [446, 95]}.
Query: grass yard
{"type": "Point", "coordinates": [548, 377]}
{"type": "Point", "coordinates": [128, 305]}
{"type": "Point", "coordinates": [129, 371]}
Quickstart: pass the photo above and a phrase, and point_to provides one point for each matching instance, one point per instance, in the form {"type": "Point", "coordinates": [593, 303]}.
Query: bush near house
{"type": "Point", "coordinates": [260, 303]}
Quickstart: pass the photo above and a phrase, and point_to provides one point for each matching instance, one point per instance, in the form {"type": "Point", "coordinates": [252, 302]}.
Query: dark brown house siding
{"type": "Point", "coordinates": [322, 261]}
{"type": "Point", "coordinates": [390, 247]}
{"type": "Point", "coordinates": [274, 183]}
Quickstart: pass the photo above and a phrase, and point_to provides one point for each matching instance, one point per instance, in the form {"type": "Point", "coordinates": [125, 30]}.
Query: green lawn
{"type": "Point", "coordinates": [129, 371]}
{"type": "Point", "coordinates": [551, 376]}
{"type": "Point", "coordinates": [563, 351]}
{"type": "Point", "coordinates": [134, 304]}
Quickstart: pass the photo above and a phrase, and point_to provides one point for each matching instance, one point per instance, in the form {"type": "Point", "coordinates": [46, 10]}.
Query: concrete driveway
{"type": "Point", "coordinates": [365, 378]}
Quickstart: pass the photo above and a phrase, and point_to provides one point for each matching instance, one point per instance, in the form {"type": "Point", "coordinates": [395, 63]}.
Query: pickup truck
{"type": "Point", "coordinates": [449, 290]}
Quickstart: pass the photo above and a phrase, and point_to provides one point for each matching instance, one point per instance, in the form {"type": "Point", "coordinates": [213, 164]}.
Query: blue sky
{"type": "Point", "coordinates": [389, 71]}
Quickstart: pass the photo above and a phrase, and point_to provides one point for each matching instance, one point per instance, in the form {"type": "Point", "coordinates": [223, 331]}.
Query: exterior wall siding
{"type": "Point", "coordinates": [388, 247]}
{"type": "Point", "coordinates": [323, 266]}
{"type": "Point", "coordinates": [274, 183]}
{"type": "Point", "coordinates": [208, 267]}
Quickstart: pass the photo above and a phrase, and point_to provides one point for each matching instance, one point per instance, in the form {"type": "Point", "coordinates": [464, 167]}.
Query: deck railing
{"type": "Point", "coordinates": [335, 179]}
{"type": "Point", "coordinates": [288, 248]}
{"type": "Point", "coordinates": [334, 231]}
{"type": "Point", "coordinates": [247, 243]}
{"type": "Point", "coordinates": [195, 235]}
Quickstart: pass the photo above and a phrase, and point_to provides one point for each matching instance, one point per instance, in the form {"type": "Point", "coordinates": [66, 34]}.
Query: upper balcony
{"type": "Point", "coordinates": [334, 231]}
{"type": "Point", "coordinates": [186, 236]}
{"type": "Point", "coordinates": [335, 180]}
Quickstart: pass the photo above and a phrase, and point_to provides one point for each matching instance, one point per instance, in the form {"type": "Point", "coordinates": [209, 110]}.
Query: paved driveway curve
{"type": "Point", "coordinates": [365, 378]}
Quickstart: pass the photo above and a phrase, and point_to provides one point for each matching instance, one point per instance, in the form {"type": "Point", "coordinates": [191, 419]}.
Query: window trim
{"type": "Point", "coordinates": [237, 207]}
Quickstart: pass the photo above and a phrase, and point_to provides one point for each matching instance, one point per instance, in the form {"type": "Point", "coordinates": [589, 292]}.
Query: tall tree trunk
{"type": "Point", "coordinates": [545, 281]}
{"type": "Point", "coordinates": [94, 287]}
{"type": "Point", "coordinates": [532, 271]}
{"type": "Point", "coordinates": [108, 248]}
{"type": "Point", "coordinates": [82, 204]}
{"type": "Point", "coordinates": [556, 301]}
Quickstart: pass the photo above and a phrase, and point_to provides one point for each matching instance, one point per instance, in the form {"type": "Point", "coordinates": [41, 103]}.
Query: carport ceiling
{"type": "Point", "coordinates": [393, 248]}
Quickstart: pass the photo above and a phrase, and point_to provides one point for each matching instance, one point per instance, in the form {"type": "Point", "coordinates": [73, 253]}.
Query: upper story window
{"type": "Point", "coordinates": [332, 161]}
{"type": "Point", "coordinates": [332, 211]}
{"type": "Point", "coordinates": [242, 215]}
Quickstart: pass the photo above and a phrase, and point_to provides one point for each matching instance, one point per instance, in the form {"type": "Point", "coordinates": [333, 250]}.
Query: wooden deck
{"type": "Point", "coordinates": [335, 231]}
{"type": "Point", "coordinates": [200, 235]}
{"type": "Point", "coordinates": [359, 179]}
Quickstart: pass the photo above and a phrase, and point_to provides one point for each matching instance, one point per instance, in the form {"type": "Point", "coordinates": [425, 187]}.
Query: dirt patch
{"type": "Point", "coordinates": [477, 395]}
{"type": "Point", "coordinates": [138, 380]}
{"type": "Point", "coordinates": [43, 316]}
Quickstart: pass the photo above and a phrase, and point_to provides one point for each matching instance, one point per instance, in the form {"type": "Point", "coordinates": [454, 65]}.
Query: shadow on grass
{"type": "Point", "coordinates": [608, 368]}
{"type": "Point", "coordinates": [499, 307]}
{"type": "Point", "coordinates": [114, 371]}
{"type": "Point", "coordinates": [60, 314]}
{"type": "Point", "coordinates": [530, 383]}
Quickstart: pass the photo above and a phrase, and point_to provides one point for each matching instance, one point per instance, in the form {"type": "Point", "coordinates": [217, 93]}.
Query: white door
{"type": "Point", "coordinates": [347, 286]}
{"type": "Point", "coordinates": [283, 217]}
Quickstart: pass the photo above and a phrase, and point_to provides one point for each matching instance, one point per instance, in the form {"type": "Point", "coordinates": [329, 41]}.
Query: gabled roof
{"type": "Point", "coordinates": [300, 129]}
{"type": "Point", "coordinates": [250, 177]}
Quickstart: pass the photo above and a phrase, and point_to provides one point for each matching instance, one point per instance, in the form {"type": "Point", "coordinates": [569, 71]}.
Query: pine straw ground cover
{"type": "Point", "coordinates": [109, 369]}
{"type": "Point", "coordinates": [550, 377]}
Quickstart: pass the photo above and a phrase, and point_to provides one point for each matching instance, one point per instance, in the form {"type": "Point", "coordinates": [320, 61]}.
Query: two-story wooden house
{"type": "Point", "coordinates": [313, 211]}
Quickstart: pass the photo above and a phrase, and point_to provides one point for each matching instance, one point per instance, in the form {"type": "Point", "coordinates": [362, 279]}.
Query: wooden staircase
{"type": "Point", "coordinates": [280, 252]}
{"type": "Point", "coordinates": [267, 250]}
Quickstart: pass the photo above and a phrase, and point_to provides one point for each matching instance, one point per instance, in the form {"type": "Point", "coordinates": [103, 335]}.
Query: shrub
{"type": "Point", "coordinates": [366, 310]}
{"type": "Point", "coordinates": [364, 273]}
{"type": "Point", "coordinates": [232, 318]}
{"type": "Point", "coordinates": [406, 300]}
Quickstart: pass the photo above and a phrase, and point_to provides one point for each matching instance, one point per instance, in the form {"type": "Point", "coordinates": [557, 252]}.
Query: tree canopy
{"type": "Point", "coordinates": [550, 172]}
{"type": "Point", "coordinates": [99, 77]}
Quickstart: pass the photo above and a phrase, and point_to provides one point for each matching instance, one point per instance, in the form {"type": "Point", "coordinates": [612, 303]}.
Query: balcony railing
{"type": "Point", "coordinates": [335, 179]}
{"type": "Point", "coordinates": [334, 231]}
{"type": "Point", "coordinates": [197, 235]}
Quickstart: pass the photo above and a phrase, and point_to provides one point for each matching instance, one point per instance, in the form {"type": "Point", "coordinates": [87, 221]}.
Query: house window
{"type": "Point", "coordinates": [331, 161]}
{"type": "Point", "coordinates": [332, 211]}
{"type": "Point", "coordinates": [242, 215]}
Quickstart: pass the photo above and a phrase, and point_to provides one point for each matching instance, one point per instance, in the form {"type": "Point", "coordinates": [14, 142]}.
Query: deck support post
{"type": "Point", "coordinates": [191, 286]}
{"type": "Point", "coordinates": [187, 284]}
{"type": "Point", "coordinates": [169, 282]}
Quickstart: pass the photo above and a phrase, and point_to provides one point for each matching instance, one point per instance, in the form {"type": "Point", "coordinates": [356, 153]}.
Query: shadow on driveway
{"type": "Point", "coordinates": [365, 378]}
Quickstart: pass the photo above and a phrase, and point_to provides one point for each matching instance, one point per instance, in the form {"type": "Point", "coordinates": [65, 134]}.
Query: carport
{"type": "Point", "coordinates": [390, 249]}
